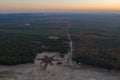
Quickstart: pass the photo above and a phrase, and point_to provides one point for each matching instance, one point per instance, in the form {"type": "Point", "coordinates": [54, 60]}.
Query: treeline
{"type": "Point", "coordinates": [53, 45]}
{"type": "Point", "coordinates": [59, 45]}
{"type": "Point", "coordinates": [15, 49]}
{"type": "Point", "coordinates": [89, 51]}
{"type": "Point", "coordinates": [22, 48]}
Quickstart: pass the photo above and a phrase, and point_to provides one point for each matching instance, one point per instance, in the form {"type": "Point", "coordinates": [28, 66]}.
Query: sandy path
{"type": "Point", "coordinates": [55, 72]}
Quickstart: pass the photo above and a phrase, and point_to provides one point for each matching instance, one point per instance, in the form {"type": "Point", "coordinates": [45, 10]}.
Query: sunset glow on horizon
{"type": "Point", "coordinates": [59, 5]}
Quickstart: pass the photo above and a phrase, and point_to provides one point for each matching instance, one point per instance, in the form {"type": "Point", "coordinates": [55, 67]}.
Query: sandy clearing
{"type": "Point", "coordinates": [55, 72]}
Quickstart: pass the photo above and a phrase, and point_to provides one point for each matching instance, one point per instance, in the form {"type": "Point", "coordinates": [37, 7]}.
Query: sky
{"type": "Point", "coordinates": [58, 5]}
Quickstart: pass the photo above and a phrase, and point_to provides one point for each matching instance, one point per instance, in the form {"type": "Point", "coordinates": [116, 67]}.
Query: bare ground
{"type": "Point", "coordinates": [55, 72]}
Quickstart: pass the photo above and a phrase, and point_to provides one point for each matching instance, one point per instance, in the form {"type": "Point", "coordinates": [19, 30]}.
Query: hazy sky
{"type": "Point", "coordinates": [59, 5]}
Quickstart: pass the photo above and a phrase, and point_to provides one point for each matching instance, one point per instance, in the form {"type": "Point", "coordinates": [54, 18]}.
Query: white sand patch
{"type": "Point", "coordinates": [55, 72]}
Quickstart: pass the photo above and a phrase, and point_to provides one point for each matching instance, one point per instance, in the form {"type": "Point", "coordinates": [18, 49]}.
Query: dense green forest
{"type": "Point", "coordinates": [22, 36]}
{"type": "Point", "coordinates": [22, 48]}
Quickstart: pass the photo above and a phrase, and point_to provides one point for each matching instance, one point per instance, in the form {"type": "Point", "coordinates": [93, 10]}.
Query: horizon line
{"type": "Point", "coordinates": [9, 12]}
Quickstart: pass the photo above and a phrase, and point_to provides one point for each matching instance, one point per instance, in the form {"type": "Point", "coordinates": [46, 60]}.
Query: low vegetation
{"type": "Point", "coordinates": [98, 51]}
